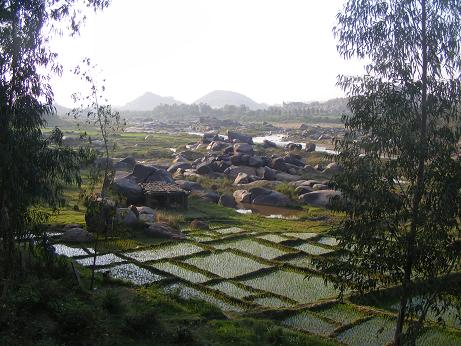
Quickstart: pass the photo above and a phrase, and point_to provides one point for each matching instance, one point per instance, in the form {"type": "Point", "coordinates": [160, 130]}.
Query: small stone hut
{"type": "Point", "coordinates": [162, 194]}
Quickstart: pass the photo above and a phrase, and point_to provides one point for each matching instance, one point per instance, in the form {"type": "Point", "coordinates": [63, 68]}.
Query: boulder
{"type": "Point", "coordinates": [189, 185]}
{"type": "Point", "coordinates": [242, 196]}
{"type": "Point", "coordinates": [145, 210]}
{"type": "Point", "coordinates": [271, 198]}
{"type": "Point", "coordinates": [319, 198]}
{"type": "Point", "coordinates": [238, 137]}
{"type": "Point", "coordinates": [268, 144]}
{"type": "Point", "coordinates": [319, 167]}
{"type": "Point", "coordinates": [281, 176]}
{"type": "Point", "coordinates": [293, 146]}
{"type": "Point", "coordinates": [204, 168]}
{"type": "Point", "coordinates": [233, 171]}
{"type": "Point", "coordinates": [130, 160]}
{"type": "Point", "coordinates": [126, 164]}
{"type": "Point", "coordinates": [220, 166]}
{"type": "Point", "coordinates": [294, 160]}
{"type": "Point", "coordinates": [268, 173]}
{"type": "Point", "coordinates": [318, 187]}
{"type": "Point", "coordinates": [164, 230]}
{"type": "Point", "coordinates": [332, 168]}
{"type": "Point", "coordinates": [210, 196]}
{"type": "Point", "coordinates": [312, 182]}
{"type": "Point", "coordinates": [227, 201]}
{"type": "Point", "coordinates": [199, 225]}
{"type": "Point", "coordinates": [279, 164]}
{"type": "Point", "coordinates": [240, 159]}
{"type": "Point", "coordinates": [255, 161]}
{"type": "Point", "coordinates": [303, 189]}
{"type": "Point", "coordinates": [147, 218]}
{"type": "Point", "coordinates": [129, 218]}
{"type": "Point", "coordinates": [243, 148]}
{"type": "Point", "coordinates": [243, 178]}
{"type": "Point", "coordinates": [190, 155]}
{"type": "Point", "coordinates": [179, 165]}
{"type": "Point", "coordinates": [217, 146]}
{"type": "Point", "coordinates": [148, 174]}
{"type": "Point", "coordinates": [308, 169]}
{"type": "Point", "coordinates": [310, 147]}
{"type": "Point", "coordinates": [129, 188]}
{"type": "Point", "coordinates": [76, 235]}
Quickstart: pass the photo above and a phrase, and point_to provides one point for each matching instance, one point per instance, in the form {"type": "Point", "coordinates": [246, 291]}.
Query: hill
{"type": "Point", "coordinates": [220, 98]}
{"type": "Point", "coordinates": [148, 102]}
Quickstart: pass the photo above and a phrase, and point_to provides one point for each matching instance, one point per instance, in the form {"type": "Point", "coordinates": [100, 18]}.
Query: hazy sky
{"type": "Point", "coordinates": [269, 50]}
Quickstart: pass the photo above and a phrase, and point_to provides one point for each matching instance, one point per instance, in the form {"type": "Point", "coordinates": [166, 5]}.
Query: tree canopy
{"type": "Point", "coordinates": [401, 182]}
{"type": "Point", "coordinates": [34, 168]}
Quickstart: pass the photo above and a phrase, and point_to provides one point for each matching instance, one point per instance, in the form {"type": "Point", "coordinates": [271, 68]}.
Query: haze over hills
{"type": "Point", "coordinates": [220, 98]}
{"type": "Point", "coordinates": [148, 102]}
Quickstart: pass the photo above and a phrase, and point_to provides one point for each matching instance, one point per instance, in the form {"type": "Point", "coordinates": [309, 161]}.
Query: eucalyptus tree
{"type": "Point", "coordinates": [33, 169]}
{"type": "Point", "coordinates": [402, 171]}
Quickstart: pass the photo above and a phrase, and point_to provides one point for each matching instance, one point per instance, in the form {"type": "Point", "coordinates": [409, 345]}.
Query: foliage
{"type": "Point", "coordinates": [402, 174]}
{"type": "Point", "coordinates": [34, 169]}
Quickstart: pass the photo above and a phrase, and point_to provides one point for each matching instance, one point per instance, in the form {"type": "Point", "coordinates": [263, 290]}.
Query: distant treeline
{"type": "Point", "coordinates": [329, 111]}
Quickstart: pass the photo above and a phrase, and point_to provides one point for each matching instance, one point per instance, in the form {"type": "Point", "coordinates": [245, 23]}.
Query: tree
{"type": "Point", "coordinates": [98, 114]}
{"type": "Point", "coordinates": [401, 182]}
{"type": "Point", "coordinates": [33, 168]}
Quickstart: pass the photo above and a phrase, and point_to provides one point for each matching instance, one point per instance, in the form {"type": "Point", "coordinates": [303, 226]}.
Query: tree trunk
{"type": "Point", "coordinates": [419, 188]}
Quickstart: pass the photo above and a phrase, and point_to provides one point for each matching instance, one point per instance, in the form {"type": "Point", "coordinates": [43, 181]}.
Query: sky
{"type": "Point", "coordinates": [270, 50]}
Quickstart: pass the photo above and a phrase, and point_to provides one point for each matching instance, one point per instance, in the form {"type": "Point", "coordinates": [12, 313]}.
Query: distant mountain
{"type": "Point", "coordinates": [220, 98]}
{"type": "Point", "coordinates": [148, 102]}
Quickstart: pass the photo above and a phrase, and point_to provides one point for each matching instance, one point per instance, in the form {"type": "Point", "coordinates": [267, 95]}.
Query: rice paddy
{"type": "Point", "coordinates": [226, 264]}
{"type": "Point", "coordinates": [271, 302]}
{"type": "Point", "coordinates": [309, 323]}
{"type": "Point", "coordinates": [303, 236]}
{"type": "Point", "coordinates": [168, 251]}
{"type": "Point", "coordinates": [313, 249]}
{"type": "Point", "coordinates": [186, 292]}
{"type": "Point", "coordinates": [181, 272]}
{"type": "Point", "coordinates": [293, 285]}
{"type": "Point", "coordinates": [328, 241]}
{"type": "Point", "coordinates": [68, 251]}
{"type": "Point", "coordinates": [275, 238]}
{"type": "Point", "coordinates": [376, 331]}
{"type": "Point", "coordinates": [249, 272]}
{"type": "Point", "coordinates": [231, 289]}
{"type": "Point", "coordinates": [132, 273]}
{"type": "Point", "coordinates": [252, 247]}
{"type": "Point", "coordinates": [101, 260]}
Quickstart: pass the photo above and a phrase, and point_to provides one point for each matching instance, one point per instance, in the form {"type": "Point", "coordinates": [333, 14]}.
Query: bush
{"type": "Point", "coordinates": [112, 302]}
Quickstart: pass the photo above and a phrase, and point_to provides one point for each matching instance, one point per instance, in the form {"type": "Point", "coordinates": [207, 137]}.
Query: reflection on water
{"type": "Point", "coordinates": [269, 212]}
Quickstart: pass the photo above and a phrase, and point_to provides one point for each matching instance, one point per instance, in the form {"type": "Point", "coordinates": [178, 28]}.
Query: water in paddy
{"type": "Point", "coordinates": [252, 247]}
{"type": "Point", "coordinates": [226, 264]}
{"type": "Point", "coordinates": [168, 251]}
{"type": "Point", "coordinates": [101, 260]}
{"type": "Point", "coordinates": [68, 251]}
{"type": "Point", "coordinates": [231, 289]}
{"type": "Point", "coordinates": [187, 292]}
{"type": "Point", "coordinates": [181, 272]}
{"type": "Point", "coordinates": [275, 238]}
{"type": "Point", "coordinates": [341, 313]}
{"type": "Point", "coordinates": [271, 302]}
{"type": "Point", "coordinates": [313, 249]}
{"type": "Point", "coordinates": [376, 331]}
{"type": "Point", "coordinates": [293, 285]}
{"type": "Point", "coordinates": [310, 323]}
{"type": "Point", "coordinates": [270, 211]}
{"type": "Point", "coordinates": [133, 273]}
